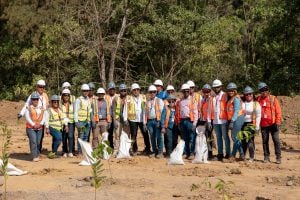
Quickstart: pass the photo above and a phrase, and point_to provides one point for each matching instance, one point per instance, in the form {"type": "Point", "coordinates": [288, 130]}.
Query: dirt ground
{"type": "Point", "coordinates": [149, 178]}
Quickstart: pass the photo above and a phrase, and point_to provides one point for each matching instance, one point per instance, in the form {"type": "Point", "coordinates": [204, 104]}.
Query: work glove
{"type": "Point", "coordinates": [158, 124]}
{"type": "Point", "coordinates": [126, 123]}
{"type": "Point", "coordinates": [19, 116]}
{"type": "Point", "coordinates": [108, 126]}
{"type": "Point", "coordinates": [230, 125]}
{"type": "Point", "coordinates": [77, 125]}
{"type": "Point", "coordinates": [145, 128]}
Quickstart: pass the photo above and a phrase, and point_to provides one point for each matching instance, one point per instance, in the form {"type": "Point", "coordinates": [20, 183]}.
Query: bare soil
{"type": "Point", "coordinates": [150, 178]}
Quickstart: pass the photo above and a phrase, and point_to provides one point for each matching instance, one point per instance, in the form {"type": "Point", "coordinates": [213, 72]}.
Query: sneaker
{"type": "Point", "coordinates": [134, 153]}
{"type": "Point", "coordinates": [159, 156]}
{"type": "Point", "coordinates": [251, 160]}
{"type": "Point", "coordinates": [152, 155]}
{"type": "Point", "coordinates": [227, 156]}
{"type": "Point", "coordinates": [267, 160]}
{"type": "Point", "coordinates": [278, 161]}
{"type": "Point", "coordinates": [36, 159]}
{"type": "Point", "coordinates": [70, 155]}
{"type": "Point", "coordinates": [232, 159]}
{"type": "Point", "coordinates": [65, 155]}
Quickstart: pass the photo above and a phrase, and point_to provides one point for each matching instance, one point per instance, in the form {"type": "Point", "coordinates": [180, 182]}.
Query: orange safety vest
{"type": "Point", "coordinates": [157, 110]}
{"type": "Point", "coordinates": [94, 100]}
{"type": "Point", "coordinates": [206, 108]}
{"type": "Point", "coordinates": [274, 107]}
{"type": "Point", "coordinates": [177, 112]}
{"type": "Point", "coordinates": [33, 115]}
{"type": "Point", "coordinates": [230, 108]}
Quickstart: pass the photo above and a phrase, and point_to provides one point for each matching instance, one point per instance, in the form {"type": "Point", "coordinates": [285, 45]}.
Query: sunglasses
{"type": "Point", "coordinates": [192, 87]}
{"type": "Point", "coordinates": [216, 87]}
{"type": "Point", "coordinates": [41, 86]}
{"type": "Point", "coordinates": [230, 91]}
{"type": "Point", "coordinates": [249, 94]}
{"type": "Point", "coordinates": [170, 91]}
{"type": "Point", "coordinates": [171, 101]}
{"type": "Point", "coordinates": [123, 90]}
{"type": "Point", "coordinates": [264, 89]}
{"type": "Point", "coordinates": [34, 99]}
{"type": "Point", "coordinates": [206, 91]}
{"type": "Point", "coordinates": [152, 92]}
{"type": "Point", "coordinates": [135, 89]}
{"type": "Point", "coordinates": [66, 95]}
{"type": "Point", "coordinates": [186, 90]}
{"type": "Point", "coordinates": [85, 90]}
{"type": "Point", "coordinates": [54, 101]}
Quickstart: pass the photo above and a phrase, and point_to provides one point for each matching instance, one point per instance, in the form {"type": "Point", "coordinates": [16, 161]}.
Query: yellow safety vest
{"type": "Point", "coordinates": [131, 106]}
{"type": "Point", "coordinates": [84, 110]}
{"type": "Point", "coordinates": [68, 112]}
{"type": "Point", "coordinates": [56, 119]}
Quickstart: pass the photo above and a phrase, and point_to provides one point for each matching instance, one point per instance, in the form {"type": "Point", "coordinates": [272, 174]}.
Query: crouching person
{"type": "Point", "coordinates": [168, 122]}
{"type": "Point", "coordinates": [35, 118]}
{"type": "Point", "coordinates": [55, 122]}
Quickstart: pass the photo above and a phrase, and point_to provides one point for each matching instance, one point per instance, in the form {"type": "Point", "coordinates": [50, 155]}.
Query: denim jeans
{"type": "Point", "coordinates": [237, 127]}
{"type": "Point", "coordinates": [221, 131]}
{"type": "Point", "coordinates": [188, 136]}
{"type": "Point", "coordinates": [83, 133]}
{"type": "Point", "coordinates": [34, 141]}
{"type": "Point", "coordinates": [250, 144]}
{"type": "Point", "coordinates": [68, 138]}
{"type": "Point", "coordinates": [56, 138]}
{"type": "Point", "coordinates": [265, 133]}
{"type": "Point", "coordinates": [133, 133]}
{"type": "Point", "coordinates": [168, 140]}
{"type": "Point", "coordinates": [175, 133]}
{"type": "Point", "coordinates": [155, 136]}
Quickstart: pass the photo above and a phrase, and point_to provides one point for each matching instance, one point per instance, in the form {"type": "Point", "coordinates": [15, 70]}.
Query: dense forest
{"type": "Point", "coordinates": [244, 41]}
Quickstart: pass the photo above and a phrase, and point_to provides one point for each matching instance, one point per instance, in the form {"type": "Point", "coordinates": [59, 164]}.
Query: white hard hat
{"type": "Point", "coordinates": [158, 82]}
{"type": "Point", "coordinates": [135, 86]}
{"type": "Point", "coordinates": [152, 88]}
{"type": "Point", "coordinates": [217, 83]}
{"type": "Point", "coordinates": [185, 87]}
{"type": "Point", "coordinates": [66, 85]}
{"type": "Point", "coordinates": [41, 82]}
{"type": "Point", "coordinates": [66, 91]}
{"type": "Point", "coordinates": [170, 87]}
{"type": "Point", "coordinates": [100, 91]}
{"type": "Point", "coordinates": [85, 87]}
{"type": "Point", "coordinates": [191, 83]}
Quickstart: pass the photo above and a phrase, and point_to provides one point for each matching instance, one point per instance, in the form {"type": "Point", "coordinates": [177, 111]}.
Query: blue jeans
{"type": "Point", "coordinates": [188, 136]}
{"type": "Point", "coordinates": [168, 139]}
{"type": "Point", "coordinates": [56, 138]}
{"type": "Point", "coordinates": [155, 136]}
{"type": "Point", "coordinates": [221, 131]}
{"type": "Point", "coordinates": [34, 141]}
{"type": "Point", "coordinates": [237, 127]}
{"type": "Point", "coordinates": [68, 138]}
{"type": "Point", "coordinates": [83, 132]}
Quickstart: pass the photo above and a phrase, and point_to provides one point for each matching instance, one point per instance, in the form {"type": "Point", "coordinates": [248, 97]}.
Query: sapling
{"type": "Point", "coordinates": [247, 133]}
{"type": "Point", "coordinates": [6, 135]}
{"type": "Point", "coordinates": [223, 188]}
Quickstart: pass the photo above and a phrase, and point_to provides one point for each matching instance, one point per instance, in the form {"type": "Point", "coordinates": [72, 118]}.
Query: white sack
{"type": "Point", "coordinates": [125, 144]}
{"type": "Point", "coordinates": [105, 138]}
{"type": "Point", "coordinates": [12, 170]}
{"type": "Point", "coordinates": [87, 150]}
{"type": "Point", "coordinates": [201, 146]}
{"type": "Point", "coordinates": [176, 155]}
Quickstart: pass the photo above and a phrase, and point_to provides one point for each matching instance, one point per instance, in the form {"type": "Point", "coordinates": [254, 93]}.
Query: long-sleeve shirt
{"type": "Point", "coordinates": [43, 103]}
{"type": "Point", "coordinates": [162, 95]}
{"type": "Point", "coordinates": [64, 119]}
{"type": "Point", "coordinates": [151, 104]}
{"type": "Point", "coordinates": [270, 110]}
{"type": "Point", "coordinates": [185, 109]}
{"type": "Point", "coordinates": [236, 107]}
{"type": "Point", "coordinates": [217, 107]}
{"type": "Point", "coordinates": [38, 112]}
{"type": "Point", "coordinates": [140, 114]}
{"type": "Point", "coordinates": [249, 109]}
{"type": "Point", "coordinates": [77, 107]}
{"type": "Point", "coordinates": [171, 122]}
{"type": "Point", "coordinates": [123, 109]}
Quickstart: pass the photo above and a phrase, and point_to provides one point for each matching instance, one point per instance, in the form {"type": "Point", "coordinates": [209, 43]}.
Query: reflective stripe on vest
{"type": "Point", "coordinates": [34, 117]}
{"type": "Point", "coordinates": [230, 108]}
{"type": "Point", "coordinates": [94, 101]}
{"type": "Point", "coordinates": [68, 111]}
{"type": "Point", "coordinates": [191, 108]}
{"type": "Point", "coordinates": [223, 105]}
{"type": "Point", "coordinates": [157, 109]}
{"type": "Point", "coordinates": [55, 120]}
{"type": "Point", "coordinates": [272, 105]}
{"type": "Point", "coordinates": [131, 106]}
{"type": "Point", "coordinates": [84, 110]}
{"type": "Point", "coordinates": [119, 106]}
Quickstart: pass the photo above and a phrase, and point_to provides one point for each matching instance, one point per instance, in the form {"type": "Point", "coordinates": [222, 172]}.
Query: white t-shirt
{"type": "Point", "coordinates": [249, 109]}
{"type": "Point", "coordinates": [216, 104]}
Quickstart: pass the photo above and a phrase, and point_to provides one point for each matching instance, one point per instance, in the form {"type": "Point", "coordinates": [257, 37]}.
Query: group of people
{"type": "Point", "coordinates": [160, 115]}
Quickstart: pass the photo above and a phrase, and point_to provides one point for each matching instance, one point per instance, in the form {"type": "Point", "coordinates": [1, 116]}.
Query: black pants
{"type": "Point", "coordinates": [133, 134]}
{"type": "Point", "coordinates": [111, 134]}
{"type": "Point", "coordinates": [41, 143]}
{"type": "Point", "coordinates": [175, 136]}
{"type": "Point", "coordinates": [274, 131]}
{"type": "Point", "coordinates": [209, 140]}
{"type": "Point", "coordinates": [248, 144]}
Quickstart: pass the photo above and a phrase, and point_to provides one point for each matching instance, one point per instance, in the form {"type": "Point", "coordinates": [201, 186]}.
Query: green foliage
{"type": "Point", "coordinates": [51, 155]}
{"type": "Point", "coordinates": [247, 133]}
{"type": "Point", "coordinates": [223, 188]}
{"type": "Point", "coordinates": [6, 139]}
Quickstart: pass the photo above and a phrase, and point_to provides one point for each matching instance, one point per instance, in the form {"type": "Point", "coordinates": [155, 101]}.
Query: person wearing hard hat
{"type": "Point", "coordinates": [93, 99]}
{"type": "Point", "coordinates": [195, 95]}
{"type": "Point", "coordinates": [56, 122]}
{"type": "Point", "coordinates": [35, 119]}
{"type": "Point", "coordinates": [154, 107]}
{"type": "Point", "coordinates": [252, 118]}
{"type": "Point", "coordinates": [168, 123]}
{"type": "Point", "coordinates": [220, 120]}
{"type": "Point", "coordinates": [104, 119]}
{"type": "Point", "coordinates": [137, 118]}
{"type": "Point", "coordinates": [67, 85]}
{"type": "Point", "coordinates": [159, 87]}
{"type": "Point", "coordinates": [206, 115]}
{"type": "Point", "coordinates": [170, 90]}
{"type": "Point", "coordinates": [187, 117]}
{"type": "Point", "coordinates": [42, 103]}
{"type": "Point", "coordinates": [119, 114]}
{"type": "Point", "coordinates": [110, 96]}
{"type": "Point", "coordinates": [67, 107]}
{"type": "Point", "coordinates": [83, 115]}
{"type": "Point", "coordinates": [270, 121]}
{"type": "Point", "coordinates": [236, 118]}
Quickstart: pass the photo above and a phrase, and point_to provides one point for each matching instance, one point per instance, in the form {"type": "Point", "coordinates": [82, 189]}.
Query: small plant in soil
{"type": "Point", "coordinates": [6, 136]}
{"type": "Point", "coordinates": [223, 188]}
{"type": "Point", "coordinates": [247, 133]}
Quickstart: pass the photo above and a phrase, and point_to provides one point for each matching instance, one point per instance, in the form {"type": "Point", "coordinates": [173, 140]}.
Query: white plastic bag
{"type": "Point", "coordinates": [12, 170]}
{"type": "Point", "coordinates": [125, 144]}
{"type": "Point", "coordinates": [105, 138]}
{"type": "Point", "coordinates": [176, 155]}
{"type": "Point", "coordinates": [87, 150]}
{"type": "Point", "coordinates": [200, 146]}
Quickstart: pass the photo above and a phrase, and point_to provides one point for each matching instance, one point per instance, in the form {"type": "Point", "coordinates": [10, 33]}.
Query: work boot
{"type": "Point", "coordinates": [220, 157]}
{"type": "Point", "coordinates": [267, 160]}
{"type": "Point", "coordinates": [159, 156]}
{"type": "Point", "coordinates": [278, 161]}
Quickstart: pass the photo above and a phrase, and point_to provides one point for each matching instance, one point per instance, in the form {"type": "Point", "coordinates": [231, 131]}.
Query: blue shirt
{"type": "Point", "coordinates": [162, 95]}
{"type": "Point", "coordinates": [171, 118]}
{"type": "Point", "coordinates": [236, 108]}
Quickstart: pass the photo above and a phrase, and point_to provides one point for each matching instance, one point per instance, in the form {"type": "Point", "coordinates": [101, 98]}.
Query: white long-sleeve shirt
{"type": "Point", "coordinates": [38, 112]}
{"type": "Point", "coordinates": [77, 106]}
{"type": "Point", "coordinates": [151, 104]}
{"type": "Point", "coordinates": [249, 109]}
{"type": "Point", "coordinates": [43, 103]}
{"type": "Point", "coordinates": [139, 112]}
{"type": "Point", "coordinates": [216, 104]}
{"type": "Point", "coordinates": [47, 117]}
